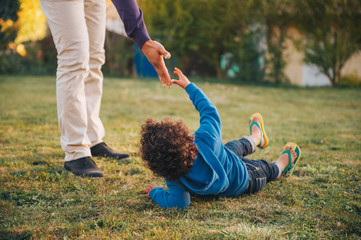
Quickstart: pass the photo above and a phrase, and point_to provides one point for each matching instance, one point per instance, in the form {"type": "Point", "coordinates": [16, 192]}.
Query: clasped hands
{"type": "Point", "coordinates": [155, 52]}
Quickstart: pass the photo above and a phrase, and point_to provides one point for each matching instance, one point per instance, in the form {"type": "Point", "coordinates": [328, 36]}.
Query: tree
{"type": "Point", "coordinates": [32, 22]}
{"type": "Point", "coordinates": [198, 32]}
{"type": "Point", "coordinates": [277, 16]}
{"type": "Point", "coordinates": [21, 21]}
{"type": "Point", "coordinates": [332, 34]}
{"type": "Point", "coordinates": [8, 16]}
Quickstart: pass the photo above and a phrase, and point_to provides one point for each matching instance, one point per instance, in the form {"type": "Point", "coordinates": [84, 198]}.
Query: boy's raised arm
{"type": "Point", "coordinates": [209, 117]}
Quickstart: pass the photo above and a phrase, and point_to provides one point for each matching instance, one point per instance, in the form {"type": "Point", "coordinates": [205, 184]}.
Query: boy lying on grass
{"type": "Point", "coordinates": [201, 164]}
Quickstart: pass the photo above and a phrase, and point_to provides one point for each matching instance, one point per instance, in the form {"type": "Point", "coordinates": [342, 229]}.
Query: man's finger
{"type": "Point", "coordinates": [163, 78]}
{"type": "Point", "coordinates": [166, 54]}
{"type": "Point", "coordinates": [157, 64]}
{"type": "Point", "coordinates": [163, 52]}
{"type": "Point", "coordinates": [163, 74]}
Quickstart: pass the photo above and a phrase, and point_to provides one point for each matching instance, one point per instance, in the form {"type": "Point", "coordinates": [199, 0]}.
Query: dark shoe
{"type": "Point", "coordinates": [84, 167]}
{"type": "Point", "coordinates": [102, 150]}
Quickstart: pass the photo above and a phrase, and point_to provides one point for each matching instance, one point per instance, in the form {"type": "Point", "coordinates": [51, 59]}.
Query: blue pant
{"type": "Point", "coordinates": [260, 171]}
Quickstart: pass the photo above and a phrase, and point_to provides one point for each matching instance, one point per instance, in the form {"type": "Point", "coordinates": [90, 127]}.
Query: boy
{"type": "Point", "coordinates": [201, 165]}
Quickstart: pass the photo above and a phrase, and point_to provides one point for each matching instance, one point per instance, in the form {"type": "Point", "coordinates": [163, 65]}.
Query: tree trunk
{"type": "Point", "coordinates": [337, 76]}
{"type": "Point", "coordinates": [220, 73]}
{"type": "Point", "coordinates": [217, 65]}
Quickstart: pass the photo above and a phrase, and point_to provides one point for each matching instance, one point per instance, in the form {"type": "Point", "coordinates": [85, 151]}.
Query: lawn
{"type": "Point", "coordinates": [40, 200]}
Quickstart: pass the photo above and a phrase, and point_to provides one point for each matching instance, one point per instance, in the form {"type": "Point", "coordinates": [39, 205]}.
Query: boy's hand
{"type": "Point", "coordinates": [155, 52]}
{"type": "Point", "coordinates": [148, 189]}
{"type": "Point", "coordinates": [183, 80]}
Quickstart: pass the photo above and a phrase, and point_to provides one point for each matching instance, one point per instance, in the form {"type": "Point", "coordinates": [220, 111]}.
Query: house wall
{"type": "Point", "coordinates": [353, 65]}
{"type": "Point", "coordinates": [293, 58]}
{"type": "Point", "coordinates": [302, 74]}
{"type": "Point", "coordinates": [113, 22]}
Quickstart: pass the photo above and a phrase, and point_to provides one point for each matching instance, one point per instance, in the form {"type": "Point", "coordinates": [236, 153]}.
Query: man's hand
{"type": "Point", "coordinates": [155, 52]}
{"type": "Point", "coordinates": [148, 189]}
{"type": "Point", "coordinates": [183, 80]}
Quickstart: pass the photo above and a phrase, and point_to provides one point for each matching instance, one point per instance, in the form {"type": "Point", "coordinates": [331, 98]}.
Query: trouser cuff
{"type": "Point", "coordinates": [96, 142]}
{"type": "Point", "coordinates": [69, 156]}
{"type": "Point", "coordinates": [253, 144]}
{"type": "Point", "coordinates": [279, 169]}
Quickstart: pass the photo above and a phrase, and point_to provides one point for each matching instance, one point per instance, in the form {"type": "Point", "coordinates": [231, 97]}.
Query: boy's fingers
{"type": "Point", "coordinates": [147, 188]}
{"type": "Point", "coordinates": [179, 71]}
{"type": "Point", "coordinates": [175, 81]}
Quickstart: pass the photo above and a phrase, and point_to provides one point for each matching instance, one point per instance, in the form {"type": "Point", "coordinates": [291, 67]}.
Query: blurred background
{"type": "Point", "coordinates": [299, 42]}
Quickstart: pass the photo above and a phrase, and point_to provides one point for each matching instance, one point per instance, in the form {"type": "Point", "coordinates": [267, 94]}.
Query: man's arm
{"type": "Point", "coordinates": [132, 17]}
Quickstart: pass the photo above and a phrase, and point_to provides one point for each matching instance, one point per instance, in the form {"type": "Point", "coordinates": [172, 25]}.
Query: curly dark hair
{"type": "Point", "coordinates": [167, 147]}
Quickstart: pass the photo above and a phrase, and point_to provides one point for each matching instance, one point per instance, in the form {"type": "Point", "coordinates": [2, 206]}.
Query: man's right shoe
{"type": "Point", "coordinates": [84, 167]}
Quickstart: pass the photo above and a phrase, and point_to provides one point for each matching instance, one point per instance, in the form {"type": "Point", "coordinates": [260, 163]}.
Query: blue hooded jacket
{"type": "Point", "coordinates": [216, 171]}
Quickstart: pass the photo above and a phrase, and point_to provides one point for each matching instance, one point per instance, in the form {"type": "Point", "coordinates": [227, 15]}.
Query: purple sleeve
{"type": "Point", "coordinates": [132, 17]}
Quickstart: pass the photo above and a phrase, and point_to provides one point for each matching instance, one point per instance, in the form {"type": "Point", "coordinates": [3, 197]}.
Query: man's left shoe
{"type": "Point", "coordinates": [103, 150]}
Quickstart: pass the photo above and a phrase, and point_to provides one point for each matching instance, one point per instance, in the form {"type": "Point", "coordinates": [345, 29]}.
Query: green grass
{"type": "Point", "coordinates": [39, 200]}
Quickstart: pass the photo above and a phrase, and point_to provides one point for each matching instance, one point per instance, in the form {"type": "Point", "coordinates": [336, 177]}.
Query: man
{"type": "Point", "coordinates": [78, 29]}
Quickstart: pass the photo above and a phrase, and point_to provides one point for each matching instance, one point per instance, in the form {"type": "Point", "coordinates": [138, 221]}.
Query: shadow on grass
{"type": "Point", "coordinates": [9, 235]}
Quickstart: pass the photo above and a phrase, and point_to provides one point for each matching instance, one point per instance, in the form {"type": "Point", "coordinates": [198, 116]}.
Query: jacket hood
{"type": "Point", "coordinates": [207, 176]}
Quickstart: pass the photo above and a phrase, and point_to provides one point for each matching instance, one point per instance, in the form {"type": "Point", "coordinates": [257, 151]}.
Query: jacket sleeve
{"type": "Point", "coordinates": [132, 17]}
{"type": "Point", "coordinates": [175, 197]}
{"type": "Point", "coordinates": [209, 117]}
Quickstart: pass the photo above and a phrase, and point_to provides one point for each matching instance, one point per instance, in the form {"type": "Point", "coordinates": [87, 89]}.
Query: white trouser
{"type": "Point", "coordinates": [78, 29]}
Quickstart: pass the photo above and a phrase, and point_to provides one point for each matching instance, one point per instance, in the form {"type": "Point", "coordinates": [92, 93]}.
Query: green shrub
{"type": "Point", "coordinates": [40, 58]}
{"type": "Point", "coordinates": [118, 55]}
{"type": "Point", "coordinates": [350, 80]}
{"type": "Point", "coordinates": [8, 11]}
{"type": "Point", "coordinates": [198, 32]}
